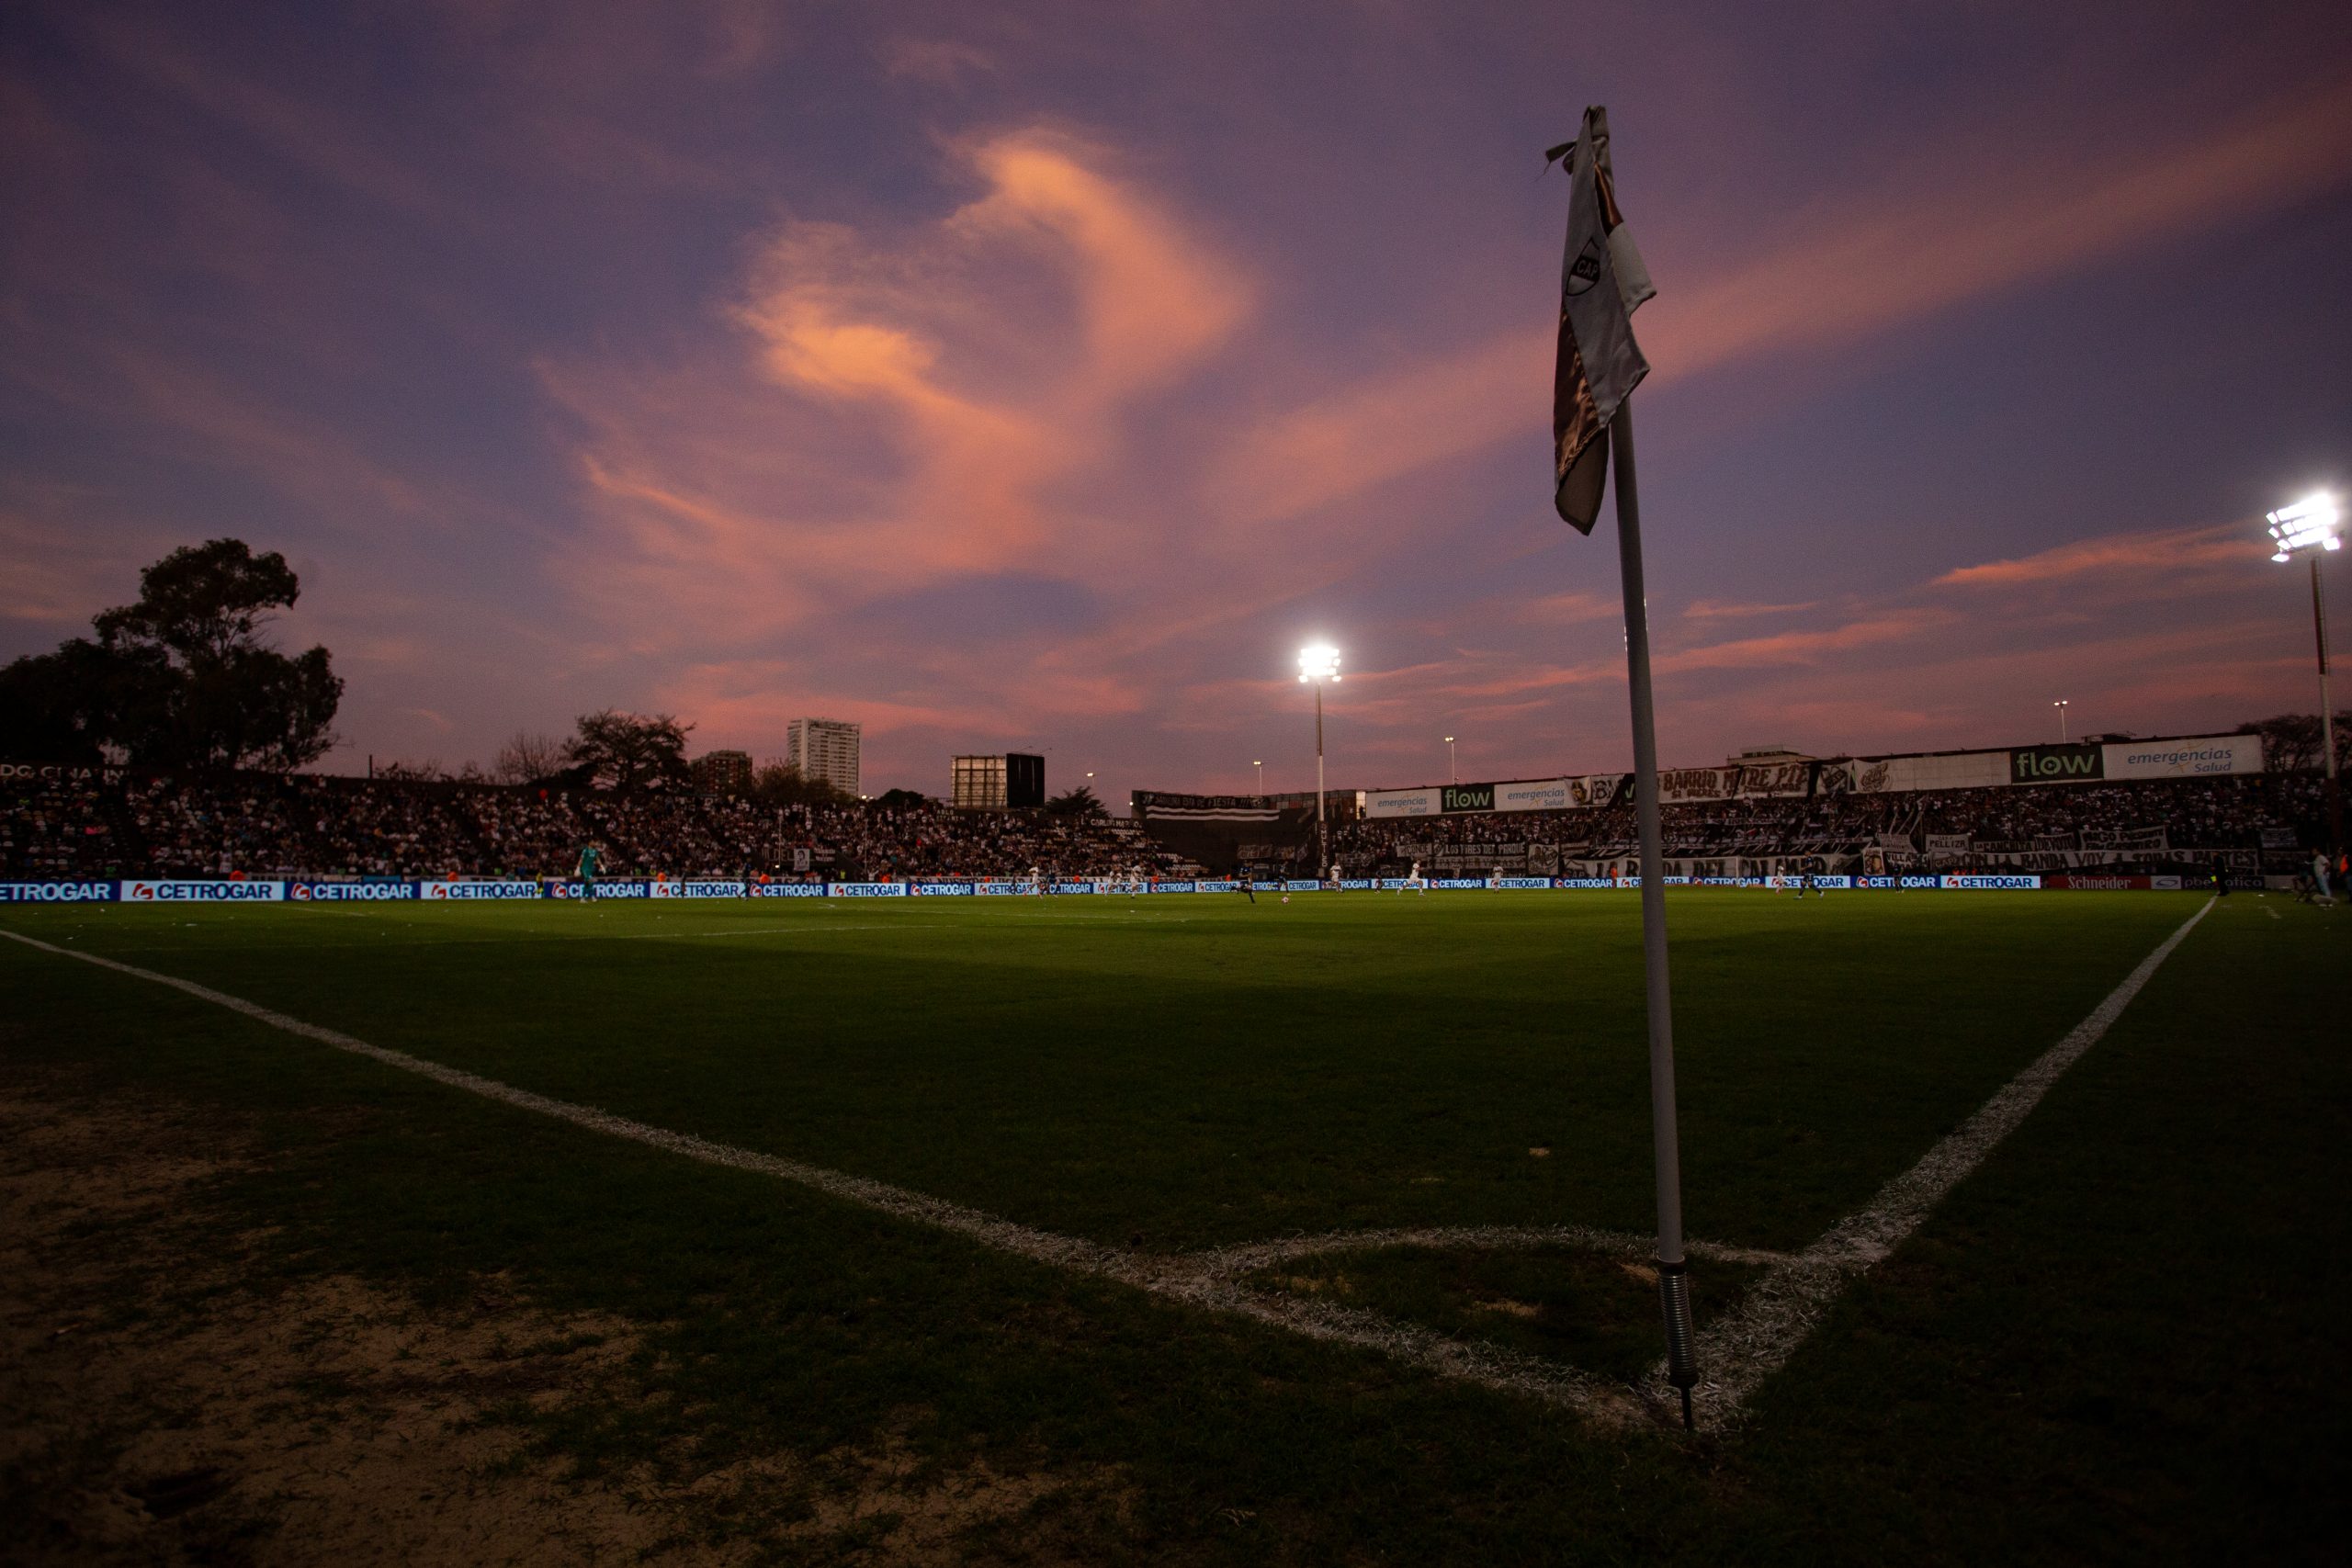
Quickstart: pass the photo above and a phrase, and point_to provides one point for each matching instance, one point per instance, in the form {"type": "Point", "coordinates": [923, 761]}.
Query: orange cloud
{"type": "Point", "coordinates": [1711, 609]}
{"type": "Point", "coordinates": [1971, 230]}
{"type": "Point", "coordinates": [1804, 647]}
{"type": "Point", "coordinates": [2227, 544]}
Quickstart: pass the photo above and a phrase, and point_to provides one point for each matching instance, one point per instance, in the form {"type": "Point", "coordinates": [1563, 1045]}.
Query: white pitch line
{"type": "Point", "coordinates": [1740, 1350]}
{"type": "Point", "coordinates": [1179, 1278]}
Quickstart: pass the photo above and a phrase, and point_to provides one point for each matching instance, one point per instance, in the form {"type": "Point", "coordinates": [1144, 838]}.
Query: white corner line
{"type": "Point", "coordinates": [1748, 1343]}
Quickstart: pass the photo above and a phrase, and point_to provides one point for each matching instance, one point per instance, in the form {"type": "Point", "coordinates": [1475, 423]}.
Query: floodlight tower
{"type": "Point", "coordinates": [1449, 761]}
{"type": "Point", "coordinates": [1319, 662]}
{"type": "Point", "coordinates": [2308, 528]}
{"type": "Point", "coordinates": [2061, 705]}
{"type": "Point", "coordinates": [1261, 766]}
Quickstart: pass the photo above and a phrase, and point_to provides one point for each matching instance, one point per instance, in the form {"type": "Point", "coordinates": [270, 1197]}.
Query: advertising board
{"type": "Point", "coordinates": [354, 892]}
{"type": "Point", "coordinates": [790, 890]}
{"type": "Point", "coordinates": [698, 889]}
{"type": "Point", "coordinates": [940, 890]}
{"type": "Point", "coordinates": [2203, 757]}
{"type": "Point", "coordinates": [2056, 764]}
{"type": "Point", "coordinates": [2015, 882]}
{"type": "Point", "coordinates": [868, 890]}
{"type": "Point", "coordinates": [57, 892]}
{"type": "Point", "coordinates": [230, 891]}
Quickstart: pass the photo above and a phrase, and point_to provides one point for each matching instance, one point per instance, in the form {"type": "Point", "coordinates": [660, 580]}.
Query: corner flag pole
{"type": "Point", "coordinates": [1673, 1282]}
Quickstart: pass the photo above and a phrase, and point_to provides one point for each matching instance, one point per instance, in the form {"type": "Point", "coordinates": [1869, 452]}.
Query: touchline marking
{"type": "Point", "coordinates": [1756, 1339]}
{"type": "Point", "coordinates": [1180, 1279]}
{"type": "Point", "coordinates": [1740, 1350]}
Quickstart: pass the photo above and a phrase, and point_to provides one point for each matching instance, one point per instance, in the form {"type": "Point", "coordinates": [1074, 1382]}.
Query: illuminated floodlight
{"type": "Point", "coordinates": [2308, 525]}
{"type": "Point", "coordinates": [1319, 662]}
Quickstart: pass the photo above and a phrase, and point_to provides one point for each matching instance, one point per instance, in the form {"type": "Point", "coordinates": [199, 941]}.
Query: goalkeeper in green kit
{"type": "Point", "coordinates": [588, 872]}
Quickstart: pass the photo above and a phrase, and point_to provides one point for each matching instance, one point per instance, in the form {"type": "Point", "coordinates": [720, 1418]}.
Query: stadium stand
{"type": "Point", "coordinates": [65, 823]}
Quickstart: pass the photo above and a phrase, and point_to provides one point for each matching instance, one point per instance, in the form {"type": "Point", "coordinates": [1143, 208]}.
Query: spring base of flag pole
{"type": "Point", "coordinates": [1681, 1354]}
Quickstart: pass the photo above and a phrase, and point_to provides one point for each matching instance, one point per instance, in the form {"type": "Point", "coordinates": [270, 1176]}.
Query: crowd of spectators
{"type": "Point", "coordinates": [2268, 811]}
{"type": "Point", "coordinates": [265, 824]}
{"type": "Point", "coordinates": [273, 825]}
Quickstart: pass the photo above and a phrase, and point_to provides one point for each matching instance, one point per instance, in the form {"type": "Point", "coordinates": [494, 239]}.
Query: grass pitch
{"type": "Point", "coordinates": [2110, 1341]}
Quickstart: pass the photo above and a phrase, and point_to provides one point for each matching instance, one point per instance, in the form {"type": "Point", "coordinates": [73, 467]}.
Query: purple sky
{"type": "Point", "coordinates": [1041, 376]}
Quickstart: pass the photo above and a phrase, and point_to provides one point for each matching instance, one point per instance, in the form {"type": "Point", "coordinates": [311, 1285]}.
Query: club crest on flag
{"type": "Point", "coordinates": [1599, 362]}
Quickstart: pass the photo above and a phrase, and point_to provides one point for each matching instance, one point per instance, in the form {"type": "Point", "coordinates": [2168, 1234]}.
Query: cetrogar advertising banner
{"type": "Point", "coordinates": [940, 890]}
{"type": "Point", "coordinates": [57, 892]}
{"type": "Point", "coordinates": [698, 890]}
{"type": "Point", "coordinates": [203, 892]}
{"type": "Point", "coordinates": [869, 890]}
{"type": "Point", "coordinates": [355, 891]}
{"type": "Point", "coordinates": [2199, 757]}
{"type": "Point", "coordinates": [507, 887]}
{"type": "Point", "coordinates": [790, 890]}
{"type": "Point", "coordinates": [622, 887]}
{"type": "Point", "coordinates": [2010, 882]}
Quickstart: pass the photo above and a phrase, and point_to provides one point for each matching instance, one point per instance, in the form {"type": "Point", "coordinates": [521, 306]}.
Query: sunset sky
{"type": "Point", "coordinates": [1040, 376]}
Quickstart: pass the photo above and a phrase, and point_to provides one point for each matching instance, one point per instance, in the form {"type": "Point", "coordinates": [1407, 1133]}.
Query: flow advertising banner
{"type": "Point", "coordinates": [2056, 764]}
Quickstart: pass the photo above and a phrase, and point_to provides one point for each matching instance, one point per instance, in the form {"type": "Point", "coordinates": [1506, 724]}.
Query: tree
{"type": "Point", "coordinates": [781, 783]}
{"type": "Point", "coordinates": [185, 677]}
{"type": "Point", "coordinates": [529, 759]}
{"type": "Point", "coordinates": [2290, 741]}
{"type": "Point", "coordinates": [900, 799]}
{"type": "Point", "coordinates": [1080, 802]}
{"type": "Point", "coordinates": [630, 753]}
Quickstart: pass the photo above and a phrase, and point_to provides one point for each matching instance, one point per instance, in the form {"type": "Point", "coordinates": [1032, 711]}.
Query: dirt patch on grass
{"type": "Point", "coordinates": [162, 1403]}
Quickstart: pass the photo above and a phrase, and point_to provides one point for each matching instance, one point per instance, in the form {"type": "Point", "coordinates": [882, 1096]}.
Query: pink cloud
{"type": "Point", "coordinates": [2172, 549]}
{"type": "Point", "coordinates": [1973, 226]}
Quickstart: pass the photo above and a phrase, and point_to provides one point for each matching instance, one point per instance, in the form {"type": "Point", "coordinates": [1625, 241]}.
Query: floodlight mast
{"type": "Point", "coordinates": [1319, 662]}
{"type": "Point", "coordinates": [1449, 761]}
{"type": "Point", "coordinates": [2061, 705]}
{"type": "Point", "coordinates": [2308, 528]}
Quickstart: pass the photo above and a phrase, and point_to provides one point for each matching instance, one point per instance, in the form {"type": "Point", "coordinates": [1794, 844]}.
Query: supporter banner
{"type": "Point", "coordinates": [1775, 779]}
{"type": "Point", "coordinates": [1596, 790]}
{"type": "Point", "coordinates": [355, 892]}
{"type": "Point", "coordinates": [1898, 841]}
{"type": "Point", "coordinates": [1947, 844]}
{"type": "Point", "coordinates": [790, 890]}
{"type": "Point", "coordinates": [698, 890]}
{"type": "Point", "coordinates": [60, 772]}
{"type": "Point", "coordinates": [1841, 777]}
{"type": "Point", "coordinates": [2183, 759]}
{"type": "Point", "coordinates": [1697, 783]}
{"type": "Point", "coordinates": [57, 892]}
{"type": "Point", "coordinates": [2125, 838]}
{"type": "Point", "coordinates": [2054, 841]}
{"type": "Point", "coordinates": [203, 892]}
{"type": "Point", "coordinates": [1202, 807]}
{"type": "Point", "coordinates": [940, 890]}
{"type": "Point", "coordinates": [2012, 882]}
{"type": "Point", "coordinates": [868, 890]}
{"type": "Point", "coordinates": [2056, 764]}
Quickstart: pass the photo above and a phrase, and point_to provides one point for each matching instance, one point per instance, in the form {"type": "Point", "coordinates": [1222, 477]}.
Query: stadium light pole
{"type": "Point", "coordinates": [1261, 766]}
{"type": "Point", "coordinates": [1319, 662]}
{"type": "Point", "coordinates": [1449, 761]}
{"type": "Point", "coordinates": [2061, 705]}
{"type": "Point", "coordinates": [2308, 528]}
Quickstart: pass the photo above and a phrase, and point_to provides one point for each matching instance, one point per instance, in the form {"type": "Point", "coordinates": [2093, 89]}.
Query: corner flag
{"type": "Point", "coordinates": [1602, 282]}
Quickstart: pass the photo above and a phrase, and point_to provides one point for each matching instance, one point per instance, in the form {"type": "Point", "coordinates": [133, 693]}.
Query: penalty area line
{"type": "Point", "coordinates": [1204, 1281]}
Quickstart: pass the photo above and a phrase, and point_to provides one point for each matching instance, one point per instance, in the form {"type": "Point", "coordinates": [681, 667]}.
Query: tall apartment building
{"type": "Point", "coordinates": [825, 750]}
{"type": "Point", "coordinates": [722, 772]}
